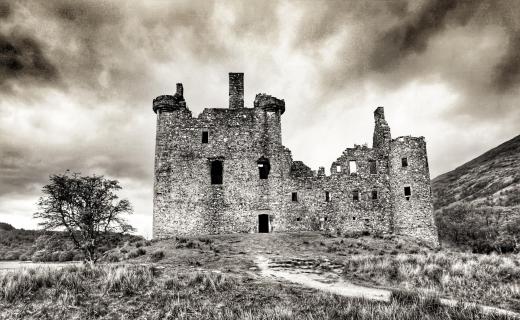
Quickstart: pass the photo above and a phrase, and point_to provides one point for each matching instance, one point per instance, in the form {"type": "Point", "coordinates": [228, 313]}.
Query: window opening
{"type": "Point", "coordinates": [327, 196]}
{"type": "Point", "coordinates": [295, 196]}
{"type": "Point", "coordinates": [352, 166]}
{"type": "Point", "coordinates": [355, 195]}
{"type": "Point", "coordinates": [407, 192]}
{"type": "Point", "coordinates": [216, 171]}
{"type": "Point", "coordinates": [404, 162]}
{"type": "Point", "coordinates": [205, 136]}
{"type": "Point", "coordinates": [373, 167]}
{"type": "Point", "coordinates": [374, 194]}
{"type": "Point", "coordinates": [263, 167]}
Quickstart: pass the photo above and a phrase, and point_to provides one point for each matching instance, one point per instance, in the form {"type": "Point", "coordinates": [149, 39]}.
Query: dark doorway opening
{"type": "Point", "coordinates": [263, 223]}
{"type": "Point", "coordinates": [216, 172]}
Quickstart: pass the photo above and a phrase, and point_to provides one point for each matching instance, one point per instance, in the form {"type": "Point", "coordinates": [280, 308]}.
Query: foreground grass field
{"type": "Point", "coordinates": [147, 292]}
{"type": "Point", "coordinates": [391, 262]}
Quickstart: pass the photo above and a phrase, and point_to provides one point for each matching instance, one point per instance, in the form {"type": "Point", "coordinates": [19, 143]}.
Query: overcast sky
{"type": "Point", "coordinates": [77, 79]}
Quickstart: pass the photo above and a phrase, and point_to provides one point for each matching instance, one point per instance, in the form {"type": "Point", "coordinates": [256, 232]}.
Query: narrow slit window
{"type": "Point", "coordinates": [352, 166]}
{"type": "Point", "coordinates": [355, 195]}
{"type": "Point", "coordinates": [374, 194]}
{"type": "Point", "coordinates": [217, 169]}
{"type": "Point", "coordinates": [294, 196]}
{"type": "Point", "coordinates": [263, 167]}
{"type": "Point", "coordinates": [205, 136]}
{"type": "Point", "coordinates": [338, 168]}
{"type": "Point", "coordinates": [327, 196]}
{"type": "Point", "coordinates": [373, 167]}
{"type": "Point", "coordinates": [404, 162]}
{"type": "Point", "coordinates": [407, 192]}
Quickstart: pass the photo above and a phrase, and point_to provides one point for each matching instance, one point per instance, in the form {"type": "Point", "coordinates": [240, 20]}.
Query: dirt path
{"type": "Point", "coordinates": [333, 283]}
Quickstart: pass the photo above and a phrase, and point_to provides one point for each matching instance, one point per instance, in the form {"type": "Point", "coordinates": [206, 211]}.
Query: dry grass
{"type": "Point", "coordinates": [134, 292]}
{"type": "Point", "coordinates": [489, 279]}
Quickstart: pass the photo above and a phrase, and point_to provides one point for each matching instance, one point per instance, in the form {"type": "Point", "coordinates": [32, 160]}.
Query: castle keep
{"type": "Point", "coordinates": [227, 171]}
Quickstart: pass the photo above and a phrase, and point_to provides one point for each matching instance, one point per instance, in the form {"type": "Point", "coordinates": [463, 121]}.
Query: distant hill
{"type": "Point", "coordinates": [480, 200]}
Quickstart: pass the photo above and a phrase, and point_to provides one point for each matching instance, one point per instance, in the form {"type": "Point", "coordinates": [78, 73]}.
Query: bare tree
{"type": "Point", "coordinates": [87, 207]}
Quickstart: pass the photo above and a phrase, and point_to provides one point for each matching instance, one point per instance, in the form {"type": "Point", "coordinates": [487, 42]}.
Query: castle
{"type": "Point", "coordinates": [227, 171]}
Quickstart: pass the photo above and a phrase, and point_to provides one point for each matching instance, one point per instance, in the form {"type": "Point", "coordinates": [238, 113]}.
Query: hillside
{"type": "Point", "coordinates": [480, 200]}
{"type": "Point", "coordinates": [491, 179]}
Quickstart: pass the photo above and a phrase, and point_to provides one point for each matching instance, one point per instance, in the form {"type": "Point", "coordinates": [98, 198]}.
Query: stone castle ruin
{"type": "Point", "coordinates": [227, 171]}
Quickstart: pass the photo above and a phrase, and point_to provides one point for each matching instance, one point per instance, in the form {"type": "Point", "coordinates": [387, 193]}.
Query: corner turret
{"type": "Point", "coordinates": [169, 103]}
{"type": "Point", "coordinates": [269, 103]}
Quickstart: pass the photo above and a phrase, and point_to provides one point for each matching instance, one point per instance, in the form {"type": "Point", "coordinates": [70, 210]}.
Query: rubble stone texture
{"type": "Point", "coordinates": [263, 190]}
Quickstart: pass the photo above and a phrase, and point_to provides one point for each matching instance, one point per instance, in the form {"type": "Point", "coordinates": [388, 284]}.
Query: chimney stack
{"type": "Point", "coordinates": [236, 90]}
{"type": "Point", "coordinates": [180, 90]}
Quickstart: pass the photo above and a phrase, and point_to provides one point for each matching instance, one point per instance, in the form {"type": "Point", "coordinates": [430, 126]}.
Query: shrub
{"type": "Point", "coordinates": [55, 256]}
{"type": "Point", "coordinates": [157, 255]}
{"type": "Point", "coordinates": [136, 253]}
{"type": "Point", "coordinates": [12, 255]}
{"type": "Point", "coordinates": [41, 256]}
{"type": "Point", "coordinates": [66, 256]}
{"type": "Point", "coordinates": [113, 257]}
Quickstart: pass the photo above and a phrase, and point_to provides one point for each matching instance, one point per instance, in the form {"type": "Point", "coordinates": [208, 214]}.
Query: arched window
{"type": "Point", "coordinates": [216, 171]}
{"type": "Point", "coordinates": [263, 167]}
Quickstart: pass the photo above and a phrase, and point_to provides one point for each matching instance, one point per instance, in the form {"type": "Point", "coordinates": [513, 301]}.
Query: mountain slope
{"type": "Point", "coordinates": [492, 179]}
{"type": "Point", "coordinates": [477, 205]}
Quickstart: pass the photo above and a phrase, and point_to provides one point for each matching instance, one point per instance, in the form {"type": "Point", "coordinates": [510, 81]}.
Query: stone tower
{"type": "Point", "coordinates": [411, 190]}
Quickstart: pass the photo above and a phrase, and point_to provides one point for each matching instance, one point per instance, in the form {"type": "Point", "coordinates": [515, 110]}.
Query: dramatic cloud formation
{"type": "Point", "coordinates": [77, 79]}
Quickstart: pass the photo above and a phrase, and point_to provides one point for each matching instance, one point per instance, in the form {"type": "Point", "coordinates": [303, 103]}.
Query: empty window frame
{"type": "Point", "coordinates": [355, 195]}
{"type": "Point", "coordinates": [338, 168]}
{"type": "Point", "coordinates": [294, 196]}
{"type": "Point", "coordinates": [205, 136]}
{"type": "Point", "coordinates": [407, 192]}
{"type": "Point", "coordinates": [373, 166]}
{"type": "Point", "coordinates": [374, 194]}
{"type": "Point", "coordinates": [352, 165]}
{"type": "Point", "coordinates": [263, 167]}
{"type": "Point", "coordinates": [327, 196]}
{"type": "Point", "coordinates": [217, 168]}
{"type": "Point", "coordinates": [404, 162]}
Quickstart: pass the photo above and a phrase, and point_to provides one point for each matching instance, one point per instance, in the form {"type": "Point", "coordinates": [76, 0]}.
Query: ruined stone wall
{"type": "Point", "coordinates": [342, 213]}
{"type": "Point", "coordinates": [413, 214]}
